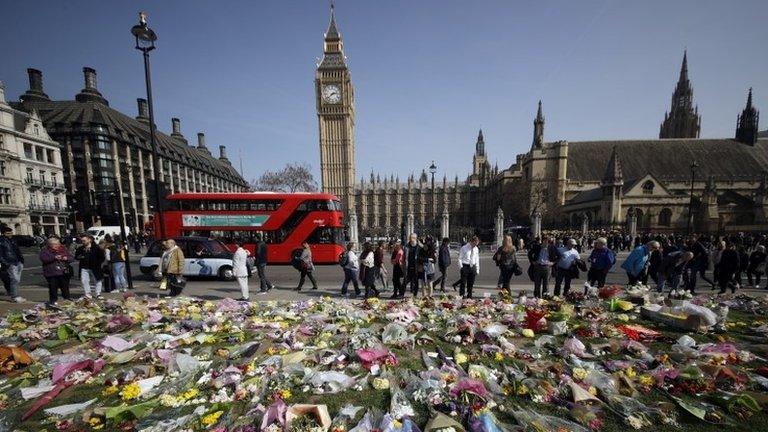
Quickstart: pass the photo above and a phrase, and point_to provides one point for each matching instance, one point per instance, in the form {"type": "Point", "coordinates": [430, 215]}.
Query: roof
{"type": "Point", "coordinates": [668, 159]}
{"type": "Point", "coordinates": [64, 116]}
{"type": "Point", "coordinates": [595, 194]}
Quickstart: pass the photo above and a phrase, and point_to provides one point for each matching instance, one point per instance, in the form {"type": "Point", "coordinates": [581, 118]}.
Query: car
{"type": "Point", "coordinates": [25, 240]}
{"type": "Point", "coordinates": [203, 257]}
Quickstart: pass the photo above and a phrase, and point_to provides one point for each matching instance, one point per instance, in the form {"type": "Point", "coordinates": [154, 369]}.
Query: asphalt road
{"type": "Point", "coordinates": [34, 287]}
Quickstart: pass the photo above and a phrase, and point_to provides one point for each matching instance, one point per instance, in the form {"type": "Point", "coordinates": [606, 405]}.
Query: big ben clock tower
{"type": "Point", "coordinates": [335, 101]}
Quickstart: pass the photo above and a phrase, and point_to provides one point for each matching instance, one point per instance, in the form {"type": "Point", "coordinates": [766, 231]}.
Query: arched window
{"type": "Point", "coordinates": [648, 187]}
{"type": "Point", "coordinates": [665, 217]}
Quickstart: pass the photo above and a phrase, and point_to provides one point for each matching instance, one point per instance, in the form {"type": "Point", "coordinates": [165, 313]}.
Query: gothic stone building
{"type": "Point", "coordinates": [565, 182]}
{"type": "Point", "coordinates": [106, 154]}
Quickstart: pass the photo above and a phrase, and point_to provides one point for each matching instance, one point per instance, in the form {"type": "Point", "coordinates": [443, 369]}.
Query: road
{"type": "Point", "coordinates": [329, 277]}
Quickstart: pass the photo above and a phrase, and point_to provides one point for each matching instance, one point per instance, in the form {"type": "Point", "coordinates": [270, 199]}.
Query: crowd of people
{"type": "Point", "coordinates": [421, 266]}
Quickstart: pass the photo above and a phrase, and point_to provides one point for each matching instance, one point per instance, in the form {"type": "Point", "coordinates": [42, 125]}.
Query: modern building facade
{"type": "Point", "coordinates": [32, 194]}
{"type": "Point", "coordinates": [560, 183]}
{"type": "Point", "coordinates": [106, 156]}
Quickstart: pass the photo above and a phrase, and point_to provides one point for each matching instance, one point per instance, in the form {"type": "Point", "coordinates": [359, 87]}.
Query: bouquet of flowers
{"type": "Point", "coordinates": [307, 418]}
{"type": "Point", "coordinates": [608, 292]}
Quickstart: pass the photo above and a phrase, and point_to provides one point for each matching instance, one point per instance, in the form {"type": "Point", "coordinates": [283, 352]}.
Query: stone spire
{"type": "Point", "coordinates": [683, 119]}
{"type": "Point", "coordinates": [747, 123]}
{"type": "Point", "coordinates": [613, 172]}
{"type": "Point", "coordinates": [333, 47]}
{"type": "Point", "coordinates": [538, 129]}
{"type": "Point", "coordinates": [480, 144]}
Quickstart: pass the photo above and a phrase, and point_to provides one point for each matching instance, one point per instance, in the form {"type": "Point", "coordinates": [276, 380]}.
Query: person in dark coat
{"type": "Point", "coordinates": [756, 267]}
{"type": "Point", "coordinates": [672, 268]}
{"type": "Point", "coordinates": [11, 264]}
{"type": "Point", "coordinates": [57, 270]}
{"type": "Point", "coordinates": [411, 252]}
{"type": "Point", "coordinates": [443, 262]}
{"type": "Point", "coordinates": [727, 267]}
{"type": "Point", "coordinates": [378, 265]}
{"type": "Point", "coordinates": [506, 261]}
{"type": "Point", "coordinates": [91, 258]}
{"type": "Point", "coordinates": [261, 264]}
{"type": "Point", "coordinates": [743, 264]}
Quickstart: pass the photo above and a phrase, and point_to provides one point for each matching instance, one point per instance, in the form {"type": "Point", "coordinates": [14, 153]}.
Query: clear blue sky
{"type": "Point", "coordinates": [427, 74]}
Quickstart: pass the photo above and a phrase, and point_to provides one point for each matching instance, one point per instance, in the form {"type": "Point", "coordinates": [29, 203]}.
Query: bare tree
{"type": "Point", "coordinates": [294, 177]}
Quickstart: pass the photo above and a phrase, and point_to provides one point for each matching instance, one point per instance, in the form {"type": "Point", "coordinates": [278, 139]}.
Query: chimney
{"type": "Point", "coordinates": [35, 92]}
{"type": "Point", "coordinates": [143, 110]}
{"type": "Point", "coordinates": [223, 153]}
{"type": "Point", "coordinates": [175, 126]}
{"type": "Point", "coordinates": [91, 92]}
{"type": "Point", "coordinates": [201, 142]}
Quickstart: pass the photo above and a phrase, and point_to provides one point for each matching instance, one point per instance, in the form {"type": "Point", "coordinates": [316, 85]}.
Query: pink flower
{"type": "Point", "coordinates": [469, 386]}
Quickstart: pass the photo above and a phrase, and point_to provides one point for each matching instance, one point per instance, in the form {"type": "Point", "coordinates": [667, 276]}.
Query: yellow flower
{"type": "Point", "coordinates": [95, 423]}
{"type": "Point", "coordinates": [528, 333]}
{"type": "Point", "coordinates": [271, 350]}
{"type": "Point", "coordinates": [461, 358]}
{"type": "Point", "coordinates": [190, 394]}
{"type": "Point", "coordinates": [498, 356]}
{"type": "Point", "coordinates": [110, 390]}
{"type": "Point", "coordinates": [646, 380]}
{"type": "Point", "coordinates": [579, 374]}
{"type": "Point", "coordinates": [211, 418]}
{"type": "Point", "coordinates": [380, 383]}
{"type": "Point", "coordinates": [130, 392]}
{"type": "Point", "coordinates": [522, 390]}
{"type": "Point", "coordinates": [285, 394]}
{"type": "Point", "coordinates": [630, 372]}
{"type": "Point", "coordinates": [592, 390]}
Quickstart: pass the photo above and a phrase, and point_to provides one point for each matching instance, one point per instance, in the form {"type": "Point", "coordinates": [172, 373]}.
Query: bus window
{"type": "Point", "coordinates": [326, 235]}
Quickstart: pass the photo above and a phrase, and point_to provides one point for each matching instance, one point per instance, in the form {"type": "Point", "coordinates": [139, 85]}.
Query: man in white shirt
{"type": "Point", "coordinates": [469, 260]}
{"type": "Point", "coordinates": [564, 269]}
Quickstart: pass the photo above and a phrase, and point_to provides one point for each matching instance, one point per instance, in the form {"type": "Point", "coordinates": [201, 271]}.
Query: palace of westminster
{"type": "Point", "coordinates": [563, 183]}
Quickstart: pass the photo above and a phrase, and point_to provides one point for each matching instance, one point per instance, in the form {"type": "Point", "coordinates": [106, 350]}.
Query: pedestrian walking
{"type": "Point", "coordinates": [398, 290]}
{"type": "Point", "coordinates": [378, 263]}
{"type": "Point", "coordinates": [601, 260]}
{"type": "Point", "coordinates": [469, 260]}
{"type": "Point", "coordinates": [756, 267]}
{"type": "Point", "coordinates": [636, 263]}
{"type": "Point", "coordinates": [567, 267]}
{"type": "Point", "coordinates": [307, 267]}
{"type": "Point", "coordinates": [261, 265]}
{"type": "Point", "coordinates": [108, 283]}
{"type": "Point", "coordinates": [543, 256]}
{"type": "Point", "coordinates": [700, 263]}
{"type": "Point", "coordinates": [117, 264]}
{"type": "Point", "coordinates": [426, 266]}
{"type": "Point", "coordinates": [368, 270]}
{"type": "Point", "coordinates": [172, 267]}
{"type": "Point", "coordinates": [672, 268]}
{"type": "Point", "coordinates": [727, 266]}
{"type": "Point", "coordinates": [350, 263]}
{"type": "Point", "coordinates": [411, 253]}
{"type": "Point", "coordinates": [11, 264]}
{"type": "Point", "coordinates": [443, 262]}
{"type": "Point", "coordinates": [506, 261]}
{"type": "Point", "coordinates": [91, 259]}
{"type": "Point", "coordinates": [57, 269]}
{"type": "Point", "coordinates": [240, 270]}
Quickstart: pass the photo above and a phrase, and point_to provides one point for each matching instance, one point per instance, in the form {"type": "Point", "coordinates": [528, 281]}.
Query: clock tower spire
{"type": "Point", "coordinates": [335, 100]}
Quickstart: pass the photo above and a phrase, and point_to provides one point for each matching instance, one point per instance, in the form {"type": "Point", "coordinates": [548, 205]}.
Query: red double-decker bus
{"type": "Point", "coordinates": [284, 220]}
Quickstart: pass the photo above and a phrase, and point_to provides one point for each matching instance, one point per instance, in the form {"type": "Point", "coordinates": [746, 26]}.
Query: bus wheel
{"type": "Point", "coordinates": [226, 273]}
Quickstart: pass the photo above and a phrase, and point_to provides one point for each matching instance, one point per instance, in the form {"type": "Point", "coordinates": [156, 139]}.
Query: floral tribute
{"type": "Point", "coordinates": [609, 360]}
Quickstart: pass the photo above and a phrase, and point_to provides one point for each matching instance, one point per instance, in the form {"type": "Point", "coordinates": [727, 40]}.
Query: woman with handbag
{"type": "Point", "coordinates": [506, 260]}
{"type": "Point", "coordinates": [57, 269]}
{"type": "Point", "coordinates": [172, 267]}
{"type": "Point", "coordinates": [306, 267]}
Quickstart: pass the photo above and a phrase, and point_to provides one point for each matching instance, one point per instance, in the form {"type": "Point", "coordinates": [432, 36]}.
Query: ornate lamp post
{"type": "Point", "coordinates": [694, 165]}
{"type": "Point", "coordinates": [145, 42]}
{"type": "Point", "coordinates": [432, 171]}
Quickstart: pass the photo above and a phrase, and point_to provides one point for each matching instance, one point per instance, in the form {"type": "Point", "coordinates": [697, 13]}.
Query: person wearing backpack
{"type": "Point", "coordinates": [306, 267]}
{"type": "Point", "coordinates": [350, 263]}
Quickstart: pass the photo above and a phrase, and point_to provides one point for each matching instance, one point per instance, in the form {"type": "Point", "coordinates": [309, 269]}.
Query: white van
{"type": "Point", "coordinates": [98, 232]}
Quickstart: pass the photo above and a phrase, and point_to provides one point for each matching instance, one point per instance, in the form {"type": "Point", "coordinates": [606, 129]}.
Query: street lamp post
{"type": "Point", "coordinates": [432, 171]}
{"type": "Point", "coordinates": [145, 42]}
{"type": "Point", "coordinates": [694, 165]}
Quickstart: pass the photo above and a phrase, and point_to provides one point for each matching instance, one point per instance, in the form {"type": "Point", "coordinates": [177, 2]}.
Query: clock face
{"type": "Point", "coordinates": [332, 93]}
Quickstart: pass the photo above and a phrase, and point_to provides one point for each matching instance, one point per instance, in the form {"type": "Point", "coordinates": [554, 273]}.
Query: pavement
{"type": "Point", "coordinates": [329, 277]}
